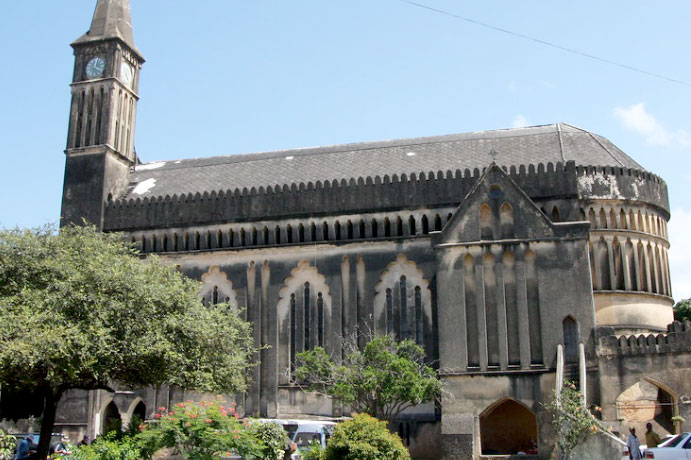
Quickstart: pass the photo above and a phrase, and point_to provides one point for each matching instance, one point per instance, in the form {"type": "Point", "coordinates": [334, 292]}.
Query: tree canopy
{"type": "Point", "coordinates": [682, 310]}
{"type": "Point", "coordinates": [81, 309]}
{"type": "Point", "coordinates": [382, 380]}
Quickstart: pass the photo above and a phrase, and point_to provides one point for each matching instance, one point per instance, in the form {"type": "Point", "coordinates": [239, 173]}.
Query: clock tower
{"type": "Point", "coordinates": [100, 141]}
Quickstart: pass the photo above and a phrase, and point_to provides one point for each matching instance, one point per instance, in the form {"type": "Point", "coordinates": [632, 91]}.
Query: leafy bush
{"type": "Point", "coordinates": [273, 437]}
{"type": "Point", "coordinates": [109, 448]}
{"type": "Point", "coordinates": [199, 431]}
{"type": "Point", "coordinates": [8, 443]}
{"type": "Point", "coordinates": [312, 452]}
{"type": "Point", "coordinates": [365, 438]}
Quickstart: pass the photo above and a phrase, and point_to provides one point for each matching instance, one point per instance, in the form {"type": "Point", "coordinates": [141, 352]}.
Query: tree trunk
{"type": "Point", "coordinates": [53, 396]}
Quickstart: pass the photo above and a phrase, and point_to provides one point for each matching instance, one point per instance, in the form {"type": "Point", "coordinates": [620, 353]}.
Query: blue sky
{"type": "Point", "coordinates": [228, 76]}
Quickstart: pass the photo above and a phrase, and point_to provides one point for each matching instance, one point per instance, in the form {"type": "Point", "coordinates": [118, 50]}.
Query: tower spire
{"type": "Point", "coordinates": [112, 19]}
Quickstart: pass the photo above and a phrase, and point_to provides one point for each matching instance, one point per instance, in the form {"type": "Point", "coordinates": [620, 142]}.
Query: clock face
{"type": "Point", "coordinates": [95, 67]}
{"type": "Point", "coordinates": [126, 73]}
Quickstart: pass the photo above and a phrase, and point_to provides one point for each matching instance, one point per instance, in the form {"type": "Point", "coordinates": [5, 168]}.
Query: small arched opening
{"type": "Point", "coordinates": [111, 419]}
{"type": "Point", "coordinates": [507, 427]}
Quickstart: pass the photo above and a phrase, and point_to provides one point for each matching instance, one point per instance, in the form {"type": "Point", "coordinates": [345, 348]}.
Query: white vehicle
{"type": "Point", "coordinates": [305, 432]}
{"type": "Point", "coordinates": [677, 447]}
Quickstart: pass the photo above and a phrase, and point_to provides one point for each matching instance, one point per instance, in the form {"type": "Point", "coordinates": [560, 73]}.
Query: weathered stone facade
{"type": "Point", "coordinates": [552, 251]}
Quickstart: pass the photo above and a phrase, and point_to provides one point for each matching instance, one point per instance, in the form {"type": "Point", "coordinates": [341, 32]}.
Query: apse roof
{"type": "Point", "coordinates": [513, 147]}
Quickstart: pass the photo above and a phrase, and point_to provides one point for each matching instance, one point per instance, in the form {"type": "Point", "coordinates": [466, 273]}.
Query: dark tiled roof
{"type": "Point", "coordinates": [514, 147]}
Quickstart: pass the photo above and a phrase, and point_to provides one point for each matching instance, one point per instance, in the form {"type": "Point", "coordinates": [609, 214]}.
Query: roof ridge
{"type": "Point", "coordinates": [621, 163]}
{"type": "Point", "coordinates": [561, 142]}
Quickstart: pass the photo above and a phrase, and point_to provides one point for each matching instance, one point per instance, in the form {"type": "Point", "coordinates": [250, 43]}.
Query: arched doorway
{"type": "Point", "coordinates": [111, 419]}
{"type": "Point", "coordinates": [648, 401]}
{"type": "Point", "coordinates": [508, 427]}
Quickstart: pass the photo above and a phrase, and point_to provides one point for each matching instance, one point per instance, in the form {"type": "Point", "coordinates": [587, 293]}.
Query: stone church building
{"type": "Point", "coordinates": [516, 258]}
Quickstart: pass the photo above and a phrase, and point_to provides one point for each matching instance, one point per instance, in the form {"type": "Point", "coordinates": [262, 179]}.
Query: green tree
{"type": "Point", "coordinates": [682, 310]}
{"type": "Point", "coordinates": [382, 380]}
{"type": "Point", "coordinates": [81, 309]}
{"type": "Point", "coordinates": [364, 438]}
{"type": "Point", "coordinates": [573, 423]}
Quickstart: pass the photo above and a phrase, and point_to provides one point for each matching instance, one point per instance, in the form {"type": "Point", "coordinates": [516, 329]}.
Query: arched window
{"type": "Point", "coordinates": [313, 232]}
{"type": "Point", "coordinates": [254, 236]}
{"type": "Point", "coordinates": [603, 218]}
{"type": "Point", "coordinates": [362, 229]}
{"type": "Point", "coordinates": [570, 331]}
{"type": "Point", "coordinates": [265, 236]}
{"type": "Point", "coordinates": [486, 222]}
{"type": "Point", "coordinates": [555, 214]}
{"type": "Point", "coordinates": [337, 231]}
{"type": "Point", "coordinates": [622, 220]}
{"type": "Point", "coordinates": [402, 303]}
{"type": "Point", "coordinates": [437, 223]}
{"type": "Point", "coordinates": [592, 218]}
{"type": "Point", "coordinates": [425, 225]}
{"type": "Point", "coordinates": [304, 310]}
{"type": "Point", "coordinates": [293, 333]}
{"type": "Point", "coordinates": [411, 226]}
{"type": "Point", "coordinates": [307, 316]}
{"type": "Point", "coordinates": [375, 229]}
{"type": "Point", "coordinates": [325, 231]}
{"type": "Point", "coordinates": [389, 311]}
{"type": "Point", "coordinates": [277, 235]}
{"type": "Point", "coordinates": [387, 227]}
{"type": "Point", "coordinates": [471, 316]}
{"type": "Point", "coordinates": [301, 233]}
{"type": "Point", "coordinates": [349, 230]}
{"type": "Point", "coordinates": [534, 317]}
{"type": "Point", "coordinates": [289, 233]}
{"type": "Point", "coordinates": [320, 320]}
{"type": "Point", "coordinates": [506, 220]}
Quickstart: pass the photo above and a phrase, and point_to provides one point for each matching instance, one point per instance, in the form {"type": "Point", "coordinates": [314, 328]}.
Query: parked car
{"type": "Point", "coordinates": [677, 447]}
{"type": "Point", "coordinates": [305, 432]}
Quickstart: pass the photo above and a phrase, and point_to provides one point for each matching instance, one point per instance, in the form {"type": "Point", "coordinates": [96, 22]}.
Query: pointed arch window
{"type": "Point", "coordinates": [304, 311]}
{"type": "Point", "coordinates": [402, 305]}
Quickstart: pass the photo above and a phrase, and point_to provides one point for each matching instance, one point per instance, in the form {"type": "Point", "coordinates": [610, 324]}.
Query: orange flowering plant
{"type": "Point", "coordinates": [199, 431]}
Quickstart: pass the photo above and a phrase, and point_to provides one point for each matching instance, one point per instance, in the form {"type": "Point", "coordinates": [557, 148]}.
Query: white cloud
{"type": "Point", "coordinates": [680, 253]}
{"type": "Point", "coordinates": [637, 119]}
{"type": "Point", "coordinates": [520, 122]}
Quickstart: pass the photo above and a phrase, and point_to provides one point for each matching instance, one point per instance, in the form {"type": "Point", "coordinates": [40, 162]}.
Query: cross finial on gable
{"type": "Point", "coordinates": [493, 153]}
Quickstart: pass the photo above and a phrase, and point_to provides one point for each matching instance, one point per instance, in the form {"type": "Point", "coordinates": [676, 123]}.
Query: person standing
{"type": "Point", "coordinates": [652, 439]}
{"type": "Point", "coordinates": [23, 448]}
{"type": "Point", "coordinates": [634, 445]}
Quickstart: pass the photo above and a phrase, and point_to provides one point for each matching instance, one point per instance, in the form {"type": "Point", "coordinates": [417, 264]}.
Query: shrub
{"type": "Point", "coordinates": [365, 438]}
{"type": "Point", "coordinates": [8, 443]}
{"type": "Point", "coordinates": [273, 437]}
{"type": "Point", "coordinates": [199, 431]}
{"type": "Point", "coordinates": [108, 448]}
{"type": "Point", "coordinates": [312, 452]}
